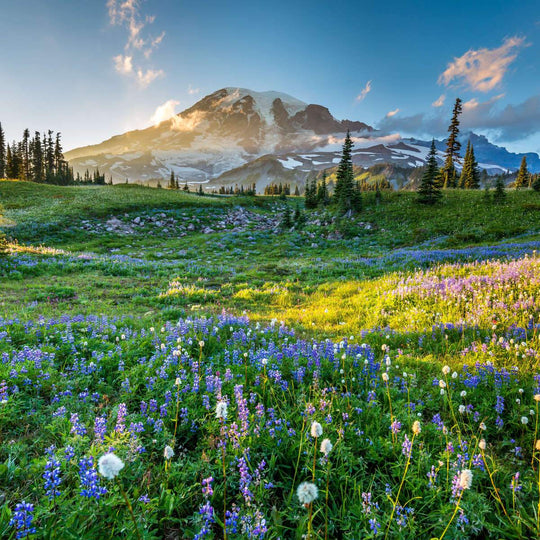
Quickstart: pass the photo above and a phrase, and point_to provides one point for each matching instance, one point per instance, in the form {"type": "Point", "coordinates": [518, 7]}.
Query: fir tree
{"type": "Point", "coordinates": [172, 181]}
{"type": "Point", "coordinates": [322, 192]}
{"type": "Point", "coordinates": [470, 176]}
{"type": "Point", "coordinates": [286, 220]}
{"type": "Point", "coordinates": [37, 159]}
{"type": "Point", "coordinates": [186, 187]}
{"type": "Point", "coordinates": [452, 148]}
{"type": "Point", "coordinates": [296, 191]}
{"type": "Point", "coordinates": [26, 155]}
{"type": "Point", "coordinates": [311, 194]}
{"type": "Point", "coordinates": [499, 196]}
{"type": "Point", "coordinates": [344, 190]}
{"type": "Point", "coordinates": [536, 183]}
{"type": "Point", "coordinates": [522, 179]}
{"type": "Point", "coordinates": [429, 191]}
{"type": "Point", "coordinates": [2, 153]}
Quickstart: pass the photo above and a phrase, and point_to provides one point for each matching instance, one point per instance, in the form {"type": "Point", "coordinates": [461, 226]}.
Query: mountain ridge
{"type": "Point", "coordinates": [233, 127]}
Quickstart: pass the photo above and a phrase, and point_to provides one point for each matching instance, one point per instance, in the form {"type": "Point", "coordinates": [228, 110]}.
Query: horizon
{"type": "Point", "coordinates": [130, 63]}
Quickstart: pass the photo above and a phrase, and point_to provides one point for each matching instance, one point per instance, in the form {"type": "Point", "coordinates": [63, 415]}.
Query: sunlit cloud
{"type": "Point", "coordinates": [482, 69]}
{"type": "Point", "coordinates": [364, 92]}
{"type": "Point", "coordinates": [192, 91]}
{"type": "Point", "coordinates": [392, 113]}
{"type": "Point", "coordinates": [139, 44]}
{"type": "Point", "coordinates": [144, 78]}
{"type": "Point", "coordinates": [439, 102]}
{"type": "Point", "coordinates": [165, 111]}
{"type": "Point", "coordinates": [123, 64]}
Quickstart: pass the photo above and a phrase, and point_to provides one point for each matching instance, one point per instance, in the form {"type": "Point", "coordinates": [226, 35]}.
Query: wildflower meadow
{"type": "Point", "coordinates": [391, 394]}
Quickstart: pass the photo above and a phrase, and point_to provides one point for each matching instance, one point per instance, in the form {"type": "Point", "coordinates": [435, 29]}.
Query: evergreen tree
{"type": "Point", "coordinates": [37, 159]}
{"type": "Point", "coordinates": [522, 179]}
{"type": "Point", "coordinates": [378, 195]}
{"type": "Point", "coordinates": [172, 181]}
{"type": "Point", "coordinates": [296, 191]}
{"type": "Point", "coordinates": [322, 192]}
{"type": "Point", "coordinates": [286, 220]}
{"type": "Point", "coordinates": [344, 190]}
{"type": "Point", "coordinates": [452, 148]}
{"type": "Point", "coordinates": [186, 187]}
{"type": "Point", "coordinates": [26, 155]}
{"type": "Point", "coordinates": [2, 153]}
{"type": "Point", "coordinates": [535, 184]}
{"type": "Point", "coordinates": [470, 175]}
{"type": "Point", "coordinates": [499, 196]}
{"type": "Point", "coordinates": [311, 194]}
{"type": "Point", "coordinates": [429, 191]}
{"type": "Point", "coordinates": [201, 192]}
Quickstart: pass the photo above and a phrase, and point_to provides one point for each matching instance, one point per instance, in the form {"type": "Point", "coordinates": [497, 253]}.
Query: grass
{"type": "Point", "coordinates": [120, 341]}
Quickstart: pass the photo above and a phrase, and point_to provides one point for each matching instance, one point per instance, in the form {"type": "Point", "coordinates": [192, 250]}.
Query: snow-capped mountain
{"type": "Point", "coordinates": [222, 131]}
{"type": "Point", "coordinates": [240, 136]}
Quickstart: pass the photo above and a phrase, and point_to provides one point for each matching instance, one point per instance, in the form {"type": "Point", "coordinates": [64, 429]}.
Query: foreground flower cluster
{"type": "Point", "coordinates": [219, 427]}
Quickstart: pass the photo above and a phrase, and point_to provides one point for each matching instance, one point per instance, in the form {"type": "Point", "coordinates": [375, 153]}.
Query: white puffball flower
{"type": "Point", "coordinates": [264, 361]}
{"type": "Point", "coordinates": [168, 452]}
{"type": "Point", "coordinates": [416, 427]}
{"type": "Point", "coordinates": [221, 409]}
{"type": "Point", "coordinates": [482, 444]}
{"type": "Point", "coordinates": [385, 377]}
{"type": "Point", "coordinates": [307, 492]}
{"type": "Point", "coordinates": [446, 370]}
{"type": "Point", "coordinates": [536, 397]}
{"type": "Point", "coordinates": [442, 384]}
{"type": "Point", "coordinates": [465, 479]}
{"type": "Point", "coordinates": [524, 420]}
{"type": "Point", "coordinates": [463, 393]}
{"type": "Point", "coordinates": [461, 409]}
{"type": "Point", "coordinates": [110, 465]}
{"type": "Point", "coordinates": [482, 426]}
{"type": "Point", "coordinates": [178, 381]}
{"type": "Point", "coordinates": [520, 390]}
{"type": "Point", "coordinates": [454, 375]}
{"type": "Point", "coordinates": [326, 447]}
{"type": "Point", "coordinates": [201, 344]}
{"type": "Point", "coordinates": [538, 444]}
{"type": "Point", "coordinates": [442, 392]}
{"type": "Point", "coordinates": [316, 429]}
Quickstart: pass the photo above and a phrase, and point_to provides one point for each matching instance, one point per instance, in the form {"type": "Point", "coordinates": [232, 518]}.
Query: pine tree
{"type": "Point", "coordinates": [311, 194]}
{"type": "Point", "coordinates": [522, 179]}
{"type": "Point", "coordinates": [466, 172]}
{"type": "Point", "coordinates": [322, 192]}
{"type": "Point", "coordinates": [26, 155]}
{"type": "Point", "coordinates": [452, 148]}
{"type": "Point", "coordinates": [2, 153]}
{"type": "Point", "coordinates": [286, 220]}
{"type": "Point", "coordinates": [499, 196]}
{"type": "Point", "coordinates": [186, 187]}
{"type": "Point", "coordinates": [37, 159]}
{"type": "Point", "coordinates": [535, 184]}
{"type": "Point", "coordinates": [429, 191]}
{"type": "Point", "coordinates": [296, 191]}
{"type": "Point", "coordinates": [344, 190]}
{"type": "Point", "coordinates": [172, 181]}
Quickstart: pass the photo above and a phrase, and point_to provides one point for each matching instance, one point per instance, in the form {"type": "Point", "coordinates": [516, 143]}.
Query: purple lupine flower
{"type": "Point", "coordinates": [22, 519]}
{"type": "Point", "coordinates": [121, 418]}
{"type": "Point", "coordinates": [100, 428]}
{"type": "Point", "coordinates": [69, 453]}
{"type": "Point", "coordinates": [406, 447]}
{"type": "Point", "coordinates": [52, 478]}
{"type": "Point", "coordinates": [76, 426]}
{"type": "Point", "coordinates": [90, 486]}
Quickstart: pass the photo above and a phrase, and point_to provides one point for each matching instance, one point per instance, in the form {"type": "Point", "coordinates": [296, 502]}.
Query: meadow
{"type": "Point", "coordinates": [368, 378]}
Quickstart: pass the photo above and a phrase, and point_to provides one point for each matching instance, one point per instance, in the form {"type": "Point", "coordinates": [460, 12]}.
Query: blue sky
{"type": "Point", "coordinates": [92, 69]}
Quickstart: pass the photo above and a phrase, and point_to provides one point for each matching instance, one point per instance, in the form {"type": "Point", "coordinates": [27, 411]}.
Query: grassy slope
{"type": "Point", "coordinates": [264, 273]}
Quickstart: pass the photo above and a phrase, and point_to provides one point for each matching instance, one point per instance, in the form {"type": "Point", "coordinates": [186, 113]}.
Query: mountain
{"type": "Point", "coordinates": [240, 136]}
{"type": "Point", "coordinates": [222, 131]}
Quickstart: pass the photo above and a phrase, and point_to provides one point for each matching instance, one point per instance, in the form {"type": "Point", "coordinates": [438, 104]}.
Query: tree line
{"type": "Point", "coordinates": [40, 158]}
{"type": "Point", "coordinates": [435, 179]}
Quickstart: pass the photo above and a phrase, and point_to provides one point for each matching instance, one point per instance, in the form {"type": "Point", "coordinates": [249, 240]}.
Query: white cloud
{"type": "Point", "coordinates": [165, 111]}
{"type": "Point", "coordinates": [392, 113]}
{"type": "Point", "coordinates": [508, 123]}
{"type": "Point", "coordinates": [192, 91]}
{"type": "Point", "coordinates": [364, 92]}
{"type": "Point", "coordinates": [144, 78]}
{"type": "Point", "coordinates": [123, 64]}
{"type": "Point", "coordinates": [439, 102]}
{"type": "Point", "coordinates": [127, 13]}
{"type": "Point", "coordinates": [482, 69]}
